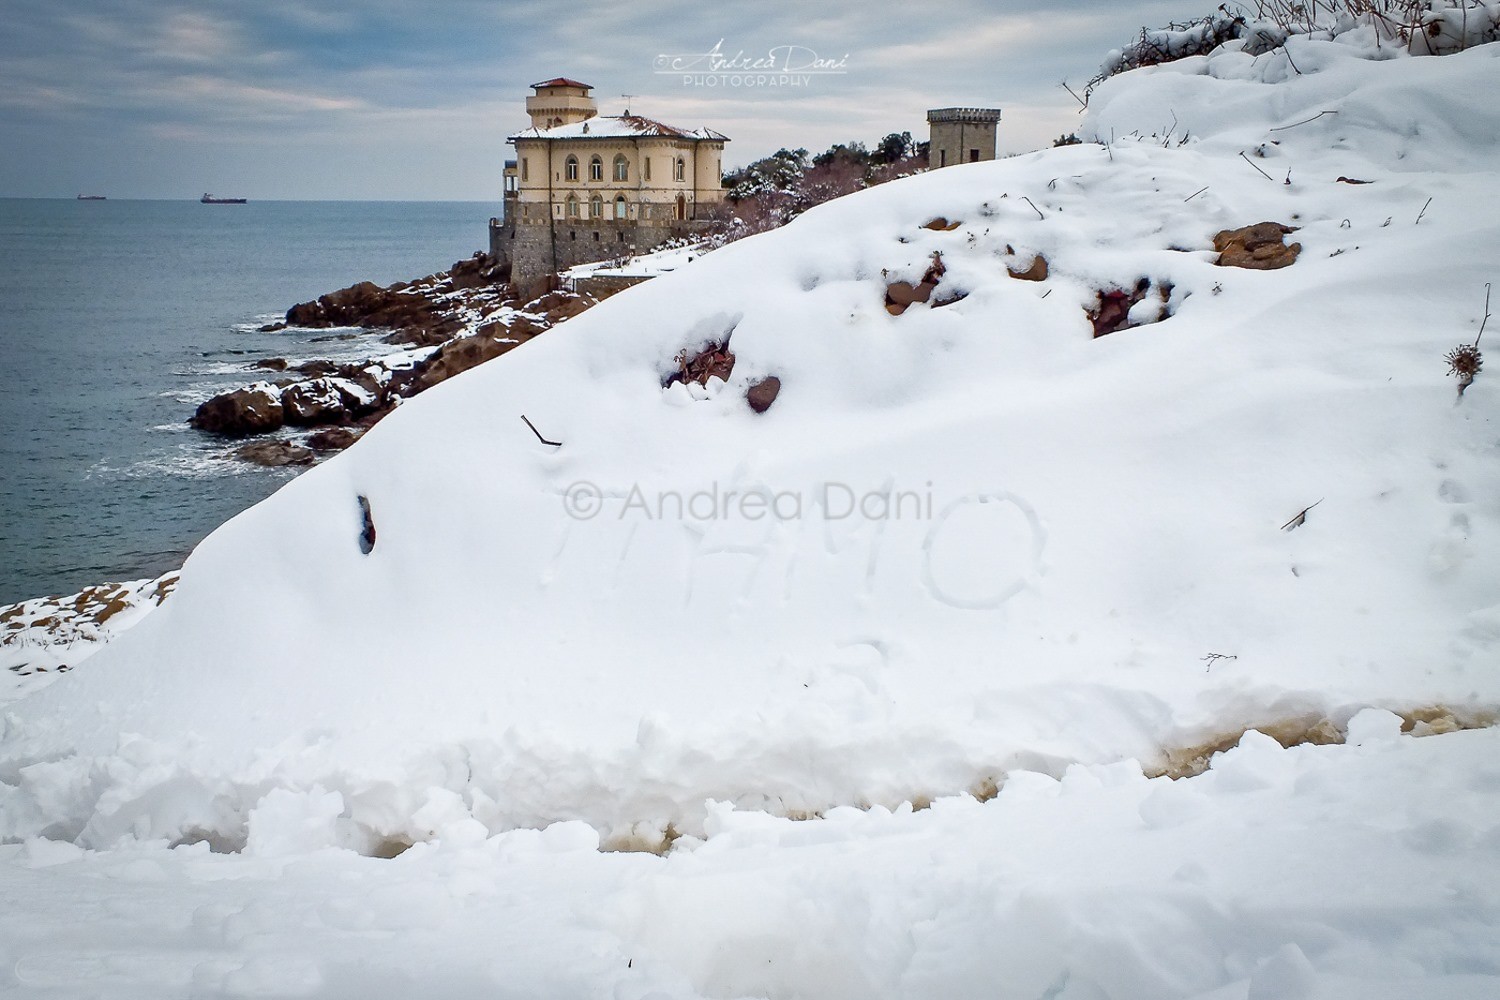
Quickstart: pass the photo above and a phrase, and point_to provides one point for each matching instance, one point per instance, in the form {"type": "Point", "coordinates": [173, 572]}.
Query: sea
{"type": "Point", "coordinates": [117, 318]}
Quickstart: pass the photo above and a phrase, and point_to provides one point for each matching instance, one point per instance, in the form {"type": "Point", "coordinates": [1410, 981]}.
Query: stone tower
{"type": "Point", "coordinates": [560, 102]}
{"type": "Point", "coordinates": [961, 135]}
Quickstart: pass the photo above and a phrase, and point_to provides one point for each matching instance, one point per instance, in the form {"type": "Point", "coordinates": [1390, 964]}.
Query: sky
{"type": "Point", "coordinates": [381, 100]}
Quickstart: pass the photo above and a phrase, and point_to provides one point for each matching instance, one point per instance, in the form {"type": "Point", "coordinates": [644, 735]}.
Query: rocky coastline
{"type": "Point", "coordinates": [446, 322]}
{"type": "Point", "coordinates": [296, 414]}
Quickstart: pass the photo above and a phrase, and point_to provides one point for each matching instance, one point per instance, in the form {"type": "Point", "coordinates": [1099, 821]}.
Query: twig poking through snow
{"type": "Point", "coordinates": [1422, 213]}
{"type": "Point", "coordinates": [1038, 211]}
{"type": "Point", "coordinates": [555, 444]}
{"type": "Point", "coordinates": [1213, 658]}
{"type": "Point", "coordinates": [1486, 314]}
{"type": "Point", "coordinates": [1257, 169]}
{"type": "Point", "coordinates": [1301, 517]}
{"type": "Point", "coordinates": [1196, 193]}
{"type": "Point", "coordinates": [1283, 128]}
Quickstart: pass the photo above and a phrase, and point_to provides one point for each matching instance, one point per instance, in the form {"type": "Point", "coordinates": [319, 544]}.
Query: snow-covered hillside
{"type": "Point", "coordinates": [978, 541]}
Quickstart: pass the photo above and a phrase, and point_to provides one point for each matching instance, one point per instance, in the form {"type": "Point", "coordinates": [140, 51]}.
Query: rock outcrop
{"type": "Point", "coordinates": [426, 311]}
{"type": "Point", "coordinates": [338, 397]}
{"type": "Point", "coordinates": [255, 409]}
{"type": "Point", "coordinates": [274, 454]}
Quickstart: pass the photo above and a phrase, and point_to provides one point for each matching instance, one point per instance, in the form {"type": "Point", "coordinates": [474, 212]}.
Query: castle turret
{"type": "Point", "coordinates": [961, 135]}
{"type": "Point", "coordinates": [560, 102]}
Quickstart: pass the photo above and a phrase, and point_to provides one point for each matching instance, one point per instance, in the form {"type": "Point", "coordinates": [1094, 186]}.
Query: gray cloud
{"type": "Point", "coordinates": [380, 99]}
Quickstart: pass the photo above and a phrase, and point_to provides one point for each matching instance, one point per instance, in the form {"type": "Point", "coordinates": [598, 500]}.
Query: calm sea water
{"type": "Point", "coordinates": [118, 317]}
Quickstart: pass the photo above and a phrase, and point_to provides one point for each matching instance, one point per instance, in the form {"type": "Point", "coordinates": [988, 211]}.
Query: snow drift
{"type": "Point", "coordinates": [1058, 532]}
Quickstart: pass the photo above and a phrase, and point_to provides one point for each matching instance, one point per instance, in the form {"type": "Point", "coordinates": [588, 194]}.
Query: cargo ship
{"type": "Point", "coordinates": [209, 199]}
{"type": "Point", "coordinates": [91, 197]}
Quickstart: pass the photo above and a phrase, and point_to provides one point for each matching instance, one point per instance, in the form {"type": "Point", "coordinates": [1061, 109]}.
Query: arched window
{"type": "Point", "coordinates": [620, 206]}
{"type": "Point", "coordinates": [596, 207]}
{"type": "Point", "coordinates": [680, 170]}
{"type": "Point", "coordinates": [570, 168]}
{"type": "Point", "coordinates": [596, 169]}
{"type": "Point", "coordinates": [622, 168]}
{"type": "Point", "coordinates": [572, 207]}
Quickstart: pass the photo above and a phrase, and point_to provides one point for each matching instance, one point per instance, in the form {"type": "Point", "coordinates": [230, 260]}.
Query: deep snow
{"type": "Point", "coordinates": [1088, 521]}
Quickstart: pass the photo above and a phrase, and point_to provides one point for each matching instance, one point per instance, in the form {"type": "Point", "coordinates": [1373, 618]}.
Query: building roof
{"type": "Point", "coordinates": [619, 127]}
{"type": "Point", "coordinates": [561, 81]}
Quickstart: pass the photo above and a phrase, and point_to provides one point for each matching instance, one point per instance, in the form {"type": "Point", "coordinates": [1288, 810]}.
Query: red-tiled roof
{"type": "Point", "coordinates": [561, 81]}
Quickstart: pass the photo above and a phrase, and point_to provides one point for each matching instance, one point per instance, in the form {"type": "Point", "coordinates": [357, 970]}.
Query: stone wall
{"type": "Point", "coordinates": [602, 286]}
{"type": "Point", "coordinates": [534, 250]}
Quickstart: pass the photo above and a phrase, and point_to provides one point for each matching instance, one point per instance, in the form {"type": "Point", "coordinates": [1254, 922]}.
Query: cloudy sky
{"type": "Point", "coordinates": [377, 99]}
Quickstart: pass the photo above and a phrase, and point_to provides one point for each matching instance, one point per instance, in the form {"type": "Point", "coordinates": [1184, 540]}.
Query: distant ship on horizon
{"type": "Point", "coordinates": [92, 197]}
{"type": "Point", "coordinates": [209, 199]}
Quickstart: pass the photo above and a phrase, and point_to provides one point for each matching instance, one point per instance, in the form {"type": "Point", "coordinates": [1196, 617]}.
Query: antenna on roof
{"type": "Point", "coordinates": [627, 101]}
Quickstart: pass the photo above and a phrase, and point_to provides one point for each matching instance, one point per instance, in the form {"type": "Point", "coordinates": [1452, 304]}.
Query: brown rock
{"type": "Point", "coordinates": [274, 454]}
{"type": "Point", "coordinates": [894, 309]}
{"type": "Point", "coordinates": [315, 401]}
{"type": "Point", "coordinates": [1036, 272]}
{"type": "Point", "coordinates": [254, 409]}
{"type": "Point", "coordinates": [904, 293]}
{"type": "Point", "coordinates": [315, 367]}
{"type": "Point", "coordinates": [458, 356]}
{"type": "Point", "coordinates": [271, 364]}
{"type": "Point", "coordinates": [937, 225]}
{"type": "Point", "coordinates": [763, 393]}
{"type": "Point", "coordinates": [1259, 247]}
{"type": "Point", "coordinates": [333, 439]}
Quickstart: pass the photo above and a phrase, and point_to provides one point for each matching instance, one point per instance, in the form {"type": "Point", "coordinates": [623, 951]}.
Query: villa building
{"type": "Point", "coordinates": [585, 187]}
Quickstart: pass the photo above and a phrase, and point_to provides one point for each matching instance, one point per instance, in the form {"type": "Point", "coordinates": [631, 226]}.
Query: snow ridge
{"type": "Point", "coordinates": [1088, 520]}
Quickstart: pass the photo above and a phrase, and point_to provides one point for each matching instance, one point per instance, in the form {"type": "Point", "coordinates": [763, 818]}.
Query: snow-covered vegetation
{"type": "Point", "coordinates": [776, 189]}
{"type": "Point", "coordinates": [870, 677]}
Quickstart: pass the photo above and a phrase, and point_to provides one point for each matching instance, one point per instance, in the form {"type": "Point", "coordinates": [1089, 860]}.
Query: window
{"type": "Point", "coordinates": [572, 234]}
{"type": "Point", "coordinates": [622, 168]}
{"type": "Point", "coordinates": [596, 169]}
{"type": "Point", "coordinates": [620, 206]}
{"type": "Point", "coordinates": [570, 168]}
{"type": "Point", "coordinates": [973, 156]}
{"type": "Point", "coordinates": [620, 236]}
{"type": "Point", "coordinates": [525, 173]}
{"type": "Point", "coordinates": [596, 207]}
{"type": "Point", "coordinates": [572, 207]}
{"type": "Point", "coordinates": [679, 172]}
{"type": "Point", "coordinates": [596, 237]}
{"type": "Point", "coordinates": [942, 157]}
{"type": "Point", "coordinates": [648, 168]}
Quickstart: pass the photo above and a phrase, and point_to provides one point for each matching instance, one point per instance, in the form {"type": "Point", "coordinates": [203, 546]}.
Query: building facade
{"type": "Point", "coordinates": [585, 187]}
{"type": "Point", "coordinates": [961, 135]}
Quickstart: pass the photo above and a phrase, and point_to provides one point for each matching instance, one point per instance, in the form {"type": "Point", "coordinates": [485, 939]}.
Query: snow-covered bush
{"type": "Point", "coordinates": [1420, 27]}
